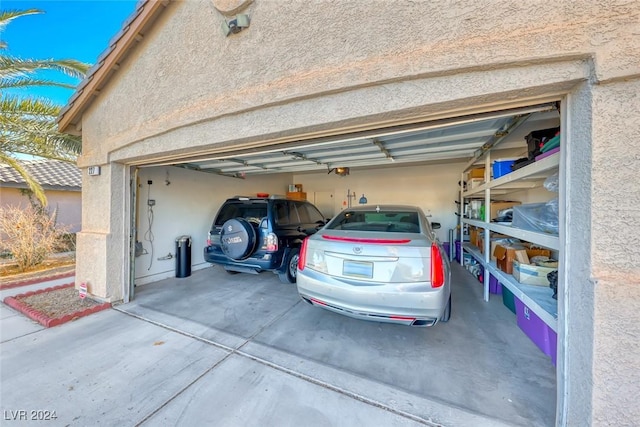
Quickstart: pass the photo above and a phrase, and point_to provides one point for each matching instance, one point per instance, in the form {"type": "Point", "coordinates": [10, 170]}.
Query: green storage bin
{"type": "Point", "coordinates": [508, 299]}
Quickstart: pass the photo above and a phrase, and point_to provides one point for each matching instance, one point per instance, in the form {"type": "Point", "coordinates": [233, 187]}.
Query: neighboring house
{"type": "Point", "coordinates": [173, 89]}
{"type": "Point", "coordinates": [61, 182]}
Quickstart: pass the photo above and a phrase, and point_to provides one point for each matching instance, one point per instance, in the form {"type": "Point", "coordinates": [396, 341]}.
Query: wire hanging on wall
{"type": "Point", "coordinates": [148, 235]}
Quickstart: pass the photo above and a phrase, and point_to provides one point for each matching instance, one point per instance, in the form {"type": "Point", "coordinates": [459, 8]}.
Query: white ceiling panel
{"type": "Point", "coordinates": [428, 142]}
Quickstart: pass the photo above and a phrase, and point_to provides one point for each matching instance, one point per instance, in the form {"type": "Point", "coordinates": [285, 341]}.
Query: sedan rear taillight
{"type": "Point", "coordinates": [437, 267]}
{"type": "Point", "coordinates": [302, 258]}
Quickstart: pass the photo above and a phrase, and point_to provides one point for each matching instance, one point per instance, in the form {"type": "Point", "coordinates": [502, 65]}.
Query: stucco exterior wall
{"type": "Point", "coordinates": [615, 254]}
{"type": "Point", "coordinates": [189, 72]}
{"type": "Point", "coordinates": [309, 68]}
{"type": "Point", "coordinates": [102, 247]}
{"type": "Point", "coordinates": [67, 204]}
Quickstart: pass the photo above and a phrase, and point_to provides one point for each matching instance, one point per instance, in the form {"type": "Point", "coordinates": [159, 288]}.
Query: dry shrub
{"type": "Point", "coordinates": [30, 234]}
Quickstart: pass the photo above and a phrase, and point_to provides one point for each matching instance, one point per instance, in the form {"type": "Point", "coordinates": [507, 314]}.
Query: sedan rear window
{"type": "Point", "coordinates": [392, 221]}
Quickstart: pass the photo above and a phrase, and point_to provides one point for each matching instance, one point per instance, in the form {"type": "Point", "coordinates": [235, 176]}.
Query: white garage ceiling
{"type": "Point", "coordinates": [462, 138]}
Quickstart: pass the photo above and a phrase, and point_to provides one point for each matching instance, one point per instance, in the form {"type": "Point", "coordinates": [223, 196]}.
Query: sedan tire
{"type": "Point", "coordinates": [447, 312]}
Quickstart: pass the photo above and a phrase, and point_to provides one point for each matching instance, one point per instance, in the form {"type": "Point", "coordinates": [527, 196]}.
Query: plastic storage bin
{"type": "Point", "coordinates": [539, 332]}
{"type": "Point", "coordinates": [502, 167]}
{"type": "Point", "coordinates": [508, 299]}
{"type": "Point", "coordinates": [494, 286]}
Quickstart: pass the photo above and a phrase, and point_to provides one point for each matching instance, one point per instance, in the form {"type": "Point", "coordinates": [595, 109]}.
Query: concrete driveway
{"type": "Point", "coordinates": [220, 349]}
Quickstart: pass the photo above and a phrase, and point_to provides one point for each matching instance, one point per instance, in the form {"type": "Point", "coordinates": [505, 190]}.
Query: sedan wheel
{"type": "Point", "coordinates": [447, 312]}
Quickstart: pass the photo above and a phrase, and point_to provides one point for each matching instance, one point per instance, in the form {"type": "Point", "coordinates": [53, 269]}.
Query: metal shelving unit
{"type": "Point", "coordinates": [530, 176]}
{"type": "Point", "coordinates": [537, 298]}
{"type": "Point", "coordinates": [547, 240]}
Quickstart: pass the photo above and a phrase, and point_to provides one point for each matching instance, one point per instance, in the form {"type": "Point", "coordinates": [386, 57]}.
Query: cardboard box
{"type": "Point", "coordinates": [492, 250]}
{"type": "Point", "coordinates": [475, 182]}
{"type": "Point", "coordinates": [475, 234]}
{"type": "Point", "coordinates": [498, 206]}
{"type": "Point", "coordinates": [296, 195]}
{"type": "Point", "coordinates": [529, 274]}
{"type": "Point", "coordinates": [476, 173]}
{"type": "Point", "coordinates": [494, 241]}
{"type": "Point", "coordinates": [505, 255]}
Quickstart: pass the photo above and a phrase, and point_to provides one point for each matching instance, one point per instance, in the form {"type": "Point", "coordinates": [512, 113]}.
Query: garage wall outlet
{"type": "Point", "coordinates": [151, 202]}
{"type": "Point", "coordinates": [149, 182]}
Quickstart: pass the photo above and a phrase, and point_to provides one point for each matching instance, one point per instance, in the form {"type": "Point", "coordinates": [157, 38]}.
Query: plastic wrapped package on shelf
{"type": "Point", "coordinates": [537, 217]}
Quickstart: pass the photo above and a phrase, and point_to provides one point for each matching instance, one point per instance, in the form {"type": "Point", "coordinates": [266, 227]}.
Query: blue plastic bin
{"type": "Point", "coordinates": [501, 168]}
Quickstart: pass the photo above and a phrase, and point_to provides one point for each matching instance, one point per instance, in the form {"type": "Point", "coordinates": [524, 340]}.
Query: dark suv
{"type": "Point", "coordinates": [249, 235]}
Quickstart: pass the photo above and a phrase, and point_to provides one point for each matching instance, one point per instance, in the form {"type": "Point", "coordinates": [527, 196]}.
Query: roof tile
{"type": "Point", "coordinates": [51, 174]}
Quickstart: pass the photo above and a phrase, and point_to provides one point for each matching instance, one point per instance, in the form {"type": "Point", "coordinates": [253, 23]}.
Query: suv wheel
{"type": "Point", "coordinates": [291, 267]}
{"type": "Point", "coordinates": [237, 238]}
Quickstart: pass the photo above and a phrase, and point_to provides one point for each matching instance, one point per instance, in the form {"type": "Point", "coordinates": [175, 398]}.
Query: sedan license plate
{"type": "Point", "coordinates": [358, 269]}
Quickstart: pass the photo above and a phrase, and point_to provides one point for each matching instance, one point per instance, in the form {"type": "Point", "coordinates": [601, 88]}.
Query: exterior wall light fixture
{"type": "Point", "coordinates": [235, 25]}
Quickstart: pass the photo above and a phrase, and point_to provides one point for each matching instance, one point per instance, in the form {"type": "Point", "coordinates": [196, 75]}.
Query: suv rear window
{"type": "Point", "coordinates": [391, 221]}
{"type": "Point", "coordinates": [253, 212]}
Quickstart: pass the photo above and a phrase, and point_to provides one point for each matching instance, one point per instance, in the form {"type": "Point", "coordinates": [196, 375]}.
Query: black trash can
{"type": "Point", "coordinates": [183, 256]}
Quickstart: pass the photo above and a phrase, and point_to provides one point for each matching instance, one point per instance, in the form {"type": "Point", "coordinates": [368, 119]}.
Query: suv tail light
{"type": "Point", "coordinates": [437, 267]}
{"type": "Point", "coordinates": [270, 243]}
{"type": "Point", "coordinates": [302, 258]}
{"type": "Point", "coordinates": [209, 239]}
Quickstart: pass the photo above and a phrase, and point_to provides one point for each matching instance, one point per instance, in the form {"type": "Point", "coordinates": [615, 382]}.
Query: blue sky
{"type": "Point", "coordinates": [68, 29]}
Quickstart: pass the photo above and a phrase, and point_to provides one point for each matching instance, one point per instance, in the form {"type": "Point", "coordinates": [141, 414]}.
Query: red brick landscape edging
{"type": "Point", "coordinates": [35, 280]}
{"type": "Point", "coordinates": [42, 318]}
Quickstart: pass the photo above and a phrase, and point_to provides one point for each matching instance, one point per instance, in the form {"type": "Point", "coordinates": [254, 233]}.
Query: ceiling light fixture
{"type": "Point", "coordinates": [339, 171]}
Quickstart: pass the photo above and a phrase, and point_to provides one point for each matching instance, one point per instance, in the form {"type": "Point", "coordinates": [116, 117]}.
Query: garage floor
{"type": "Point", "coordinates": [478, 369]}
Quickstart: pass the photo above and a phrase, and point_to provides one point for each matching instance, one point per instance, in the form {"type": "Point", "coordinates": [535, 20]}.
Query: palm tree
{"type": "Point", "coordinates": [28, 125]}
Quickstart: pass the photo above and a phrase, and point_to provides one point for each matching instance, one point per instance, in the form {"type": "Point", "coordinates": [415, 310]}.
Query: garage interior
{"type": "Point", "coordinates": [505, 376]}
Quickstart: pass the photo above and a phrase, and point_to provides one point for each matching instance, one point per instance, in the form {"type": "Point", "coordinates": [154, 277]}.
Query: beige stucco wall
{"type": "Point", "coordinates": [615, 253]}
{"type": "Point", "coordinates": [353, 48]}
{"type": "Point", "coordinates": [67, 204]}
{"type": "Point", "coordinates": [306, 68]}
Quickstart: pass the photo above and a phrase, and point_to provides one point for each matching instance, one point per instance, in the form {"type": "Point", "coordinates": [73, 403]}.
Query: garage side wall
{"type": "Point", "coordinates": [185, 206]}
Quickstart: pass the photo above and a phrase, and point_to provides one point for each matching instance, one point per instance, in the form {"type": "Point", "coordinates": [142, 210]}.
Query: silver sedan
{"type": "Point", "coordinates": [381, 263]}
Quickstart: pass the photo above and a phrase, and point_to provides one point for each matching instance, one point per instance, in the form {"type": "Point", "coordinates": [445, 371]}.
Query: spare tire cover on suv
{"type": "Point", "coordinates": [237, 238]}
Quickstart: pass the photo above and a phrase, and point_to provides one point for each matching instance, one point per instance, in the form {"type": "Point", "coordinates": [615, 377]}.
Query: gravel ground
{"type": "Point", "coordinates": [55, 264]}
{"type": "Point", "coordinates": [58, 303]}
